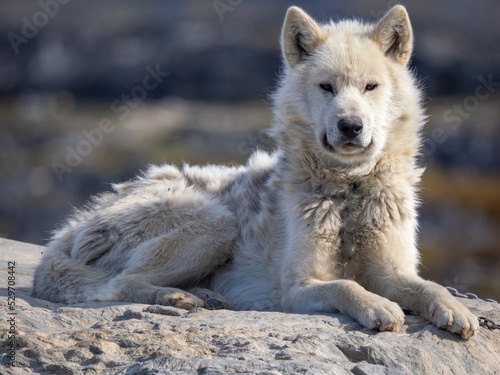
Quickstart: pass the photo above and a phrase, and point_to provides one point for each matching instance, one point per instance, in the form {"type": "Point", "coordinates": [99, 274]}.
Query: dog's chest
{"type": "Point", "coordinates": [345, 228]}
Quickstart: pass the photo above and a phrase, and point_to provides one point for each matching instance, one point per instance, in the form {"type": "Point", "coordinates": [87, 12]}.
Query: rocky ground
{"type": "Point", "coordinates": [123, 338]}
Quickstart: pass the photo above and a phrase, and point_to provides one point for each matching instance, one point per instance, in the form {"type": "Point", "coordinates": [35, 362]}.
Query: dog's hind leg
{"type": "Point", "coordinates": [139, 248]}
{"type": "Point", "coordinates": [140, 290]}
{"type": "Point", "coordinates": [211, 300]}
{"type": "Point", "coordinates": [182, 257]}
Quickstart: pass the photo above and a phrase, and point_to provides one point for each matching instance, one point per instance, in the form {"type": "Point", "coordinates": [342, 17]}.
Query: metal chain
{"type": "Point", "coordinates": [456, 293]}
{"type": "Point", "coordinates": [483, 322]}
{"type": "Point", "coordinates": [488, 323]}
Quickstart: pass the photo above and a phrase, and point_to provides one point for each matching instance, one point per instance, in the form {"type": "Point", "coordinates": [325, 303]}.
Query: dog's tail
{"type": "Point", "coordinates": [63, 279]}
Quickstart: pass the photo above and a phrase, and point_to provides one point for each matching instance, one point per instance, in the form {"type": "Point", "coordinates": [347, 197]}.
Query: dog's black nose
{"type": "Point", "coordinates": [350, 127]}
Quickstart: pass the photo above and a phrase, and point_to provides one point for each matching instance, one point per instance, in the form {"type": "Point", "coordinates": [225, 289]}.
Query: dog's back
{"type": "Point", "coordinates": [170, 228]}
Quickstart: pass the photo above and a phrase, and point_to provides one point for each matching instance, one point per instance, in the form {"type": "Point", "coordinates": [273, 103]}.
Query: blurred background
{"type": "Point", "coordinates": [91, 92]}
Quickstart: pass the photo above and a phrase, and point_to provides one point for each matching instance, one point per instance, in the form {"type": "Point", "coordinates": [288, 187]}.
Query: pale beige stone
{"type": "Point", "coordinates": [120, 338]}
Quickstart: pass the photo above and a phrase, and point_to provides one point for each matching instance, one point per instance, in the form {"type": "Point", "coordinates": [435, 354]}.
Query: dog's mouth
{"type": "Point", "coordinates": [326, 144]}
{"type": "Point", "coordinates": [347, 147]}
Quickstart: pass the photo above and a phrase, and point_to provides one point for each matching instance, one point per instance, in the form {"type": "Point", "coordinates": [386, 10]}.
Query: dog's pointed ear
{"type": "Point", "coordinates": [394, 35]}
{"type": "Point", "coordinates": [300, 36]}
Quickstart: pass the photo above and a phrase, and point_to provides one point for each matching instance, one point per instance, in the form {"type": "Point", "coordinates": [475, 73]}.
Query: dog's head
{"type": "Point", "coordinates": [345, 85]}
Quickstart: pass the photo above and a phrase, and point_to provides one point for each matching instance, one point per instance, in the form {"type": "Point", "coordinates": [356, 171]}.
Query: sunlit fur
{"type": "Point", "coordinates": [318, 226]}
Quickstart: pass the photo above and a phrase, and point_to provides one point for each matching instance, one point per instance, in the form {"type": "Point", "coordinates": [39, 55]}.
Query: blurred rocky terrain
{"type": "Point", "coordinates": [78, 112]}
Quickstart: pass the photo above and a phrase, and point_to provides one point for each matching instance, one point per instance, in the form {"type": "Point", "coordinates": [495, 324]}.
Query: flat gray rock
{"type": "Point", "coordinates": [126, 338]}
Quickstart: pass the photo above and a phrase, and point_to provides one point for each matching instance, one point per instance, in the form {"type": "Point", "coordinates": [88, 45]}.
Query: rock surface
{"type": "Point", "coordinates": [124, 338]}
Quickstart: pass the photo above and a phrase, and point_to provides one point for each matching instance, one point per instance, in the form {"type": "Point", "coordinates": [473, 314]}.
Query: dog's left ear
{"type": "Point", "coordinates": [300, 36]}
{"type": "Point", "coordinates": [394, 35]}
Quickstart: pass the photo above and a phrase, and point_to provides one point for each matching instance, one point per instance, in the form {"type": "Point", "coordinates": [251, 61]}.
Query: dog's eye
{"type": "Point", "coordinates": [326, 87]}
{"type": "Point", "coordinates": [371, 86]}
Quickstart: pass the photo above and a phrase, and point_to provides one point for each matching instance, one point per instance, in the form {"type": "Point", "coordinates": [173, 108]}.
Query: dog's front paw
{"type": "Point", "coordinates": [381, 314]}
{"type": "Point", "coordinates": [178, 298]}
{"type": "Point", "coordinates": [450, 314]}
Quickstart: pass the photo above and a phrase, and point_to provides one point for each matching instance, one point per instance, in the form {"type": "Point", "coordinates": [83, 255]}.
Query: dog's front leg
{"type": "Point", "coordinates": [348, 297]}
{"type": "Point", "coordinates": [431, 301]}
{"type": "Point", "coordinates": [310, 282]}
{"type": "Point", "coordinates": [393, 274]}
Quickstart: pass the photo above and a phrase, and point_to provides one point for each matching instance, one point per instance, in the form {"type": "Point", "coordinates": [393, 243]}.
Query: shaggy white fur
{"type": "Point", "coordinates": [328, 222]}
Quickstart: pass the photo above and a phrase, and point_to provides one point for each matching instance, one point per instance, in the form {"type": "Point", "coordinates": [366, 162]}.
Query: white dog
{"type": "Point", "coordinates": [326, 223]}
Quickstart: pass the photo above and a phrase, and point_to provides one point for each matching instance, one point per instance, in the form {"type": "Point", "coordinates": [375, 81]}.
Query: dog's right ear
{"type": "Point", "coordinates": [300, 36]}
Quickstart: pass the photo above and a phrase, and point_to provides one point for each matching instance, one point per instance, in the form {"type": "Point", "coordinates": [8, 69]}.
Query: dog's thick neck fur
{"type": "Point", "coordinates": [319, 170]}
